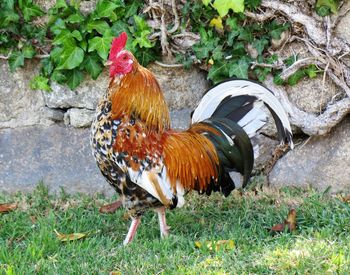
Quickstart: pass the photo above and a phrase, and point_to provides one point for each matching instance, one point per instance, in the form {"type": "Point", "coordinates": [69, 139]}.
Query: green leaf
{"type": "Point", "coordinates": [58, 76]}
{"type": "Point", "coordinates": [275, 29]}
{"type": "Point", "coordinates": [119, 27]}
{"type": "Point", "coordinates": [75, 77]}
{"type": "Point", "coordinates": [40, 82]}
{"type": "Point", "coordinates": [206, 2]}
{"type": "Point", "coordinates": [101, 44]}
{"type": "Point", "coordinates": [207, 44]}
{"type": "Point", "coordinates": [83, 44]}
{"type": "Point", "coordinates": [141, 24]}
{"type": "Point", "coordinates": [218, 72]}
{"type": "Point", "coordinates": [238, 50]}
{"type": "Point", "coordinates": [260, 44]}
{"type": "Point", "coordinates": [46, 66]}
{"type": "Point", "coordinates": [29, 9]}
{"type": "Point", "coordinates": [75, 18]}
{"type": "Point", "coordinates": [104, 8]}
{"type": "Point", "coordinates": [28, 51]}
{"type": "Point", "coordinates": [60, 4]}
{"type": "Point", "coordinates": [64, 38]}
{"type": "Point", "coordinates": [131, 9]}
{"type": "Point", "coordinates": [58, 26]}
{"type": "Point", "coordinates": [223, 6]}
{"type": "Point", "coordinates": [146, 56]}
{"type": "Point", "coordinates": [72, 57]}
{"type": "Point", "coordinates": [56, 53]}
{"type": "Point", "coordinates": [291, 59]}
{"type": "Point", "coordinates": [294, 78]}
{"type": "Point", "coordinates": [261, 73]}
{"type": "Point", "coordinates": [9, 4]}
{"type": "Point", "coordinates": [99, 25]}
{"type": "Point", "coordinates": [7, 17]}
{"type": "Point", "coordinates": [245, 35]}
{"type": "Point", "coordinates": [239, 69]}
{"type": "Point", "coordinates": [142, 40]}
{"type": "Point", "coordinates": [203, 34]}
{"type": "Point", "coordinates": [77, 35]}
{"type": "Point", "coordinates": [323, 11]}
{"type": "Point", "coordinates": [217, 53]}
{"type": "Point", "coordinates": [232, 23]}
{"type": "Point", "coordinates": [92, 65]}
{"type": "Point", "coordinates": [16, 60]}
{"type": "Point", "coordinates": [252, 4]}
{"type": "Point", "coordinates": [278, 80]}
{"type": "Point", "coordinates": [332, 5]}
{"type": "Point", "coordinates": [311, 71]}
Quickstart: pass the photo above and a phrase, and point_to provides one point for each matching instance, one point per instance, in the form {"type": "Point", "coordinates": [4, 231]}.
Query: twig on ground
{"type": "Point", "coordinates": [260, 17]}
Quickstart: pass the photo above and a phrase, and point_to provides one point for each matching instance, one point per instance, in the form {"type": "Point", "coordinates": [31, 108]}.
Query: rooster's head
{"type": "Point", "coordinates": [120, 60]}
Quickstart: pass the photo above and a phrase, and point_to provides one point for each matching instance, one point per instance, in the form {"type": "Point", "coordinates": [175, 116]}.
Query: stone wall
{"type": "Point", "coordinates": [45, 136]}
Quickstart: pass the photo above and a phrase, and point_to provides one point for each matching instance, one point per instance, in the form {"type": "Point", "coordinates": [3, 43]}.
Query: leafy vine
{"type": "Point", "coordinates": [71, 44]}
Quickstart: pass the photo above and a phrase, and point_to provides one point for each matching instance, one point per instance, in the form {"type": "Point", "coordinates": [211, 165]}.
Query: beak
{"type": "Point", "coordinates": [108, 63]}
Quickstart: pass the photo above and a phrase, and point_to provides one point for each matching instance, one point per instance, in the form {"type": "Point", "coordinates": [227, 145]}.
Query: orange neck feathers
{"type": "Point", "coordinates": [138, 93]}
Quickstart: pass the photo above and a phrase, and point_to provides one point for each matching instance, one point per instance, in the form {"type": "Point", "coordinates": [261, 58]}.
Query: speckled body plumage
{"type": "Point", "coordinates": [103, 136]}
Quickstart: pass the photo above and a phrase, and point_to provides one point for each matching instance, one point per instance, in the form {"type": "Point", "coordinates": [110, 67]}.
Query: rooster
{"type": "Point", "coordinates": [152, 166]}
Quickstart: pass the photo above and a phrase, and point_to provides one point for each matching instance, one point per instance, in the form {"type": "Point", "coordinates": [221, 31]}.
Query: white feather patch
{"type": "Point", "coordinates": [233, 88]}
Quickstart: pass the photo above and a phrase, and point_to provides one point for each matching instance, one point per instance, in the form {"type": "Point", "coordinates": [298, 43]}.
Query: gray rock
{"type": "Point", "coordinates": [342, 29]}
{"type": "Point", "coordinates": [85, 96]}
{"type": "Point", "coordinates": [79, 117]}
{"type": "Point", "coordinates": [55, 115]}
{"type": "Point", "coordinates": [20, 106]}
{"type": "Point", "coordinates": [180, 119]}
{"type": "Point", "coordinates": [87, 7]}
{"type": "Point", "coordinates": [182, 88]}
{"type": "Point", "coordinates": [266, 148]}
{"type": "Point", "coordinates": [309, 94]}
{"type": "Point", "coordinates": [58, 156]}
{"type": "Point", "coordinates": [321, 162]}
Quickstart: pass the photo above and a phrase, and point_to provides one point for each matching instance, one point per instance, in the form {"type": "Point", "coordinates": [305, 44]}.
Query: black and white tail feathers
{"type": "Point", "coordinates": [233, 106]}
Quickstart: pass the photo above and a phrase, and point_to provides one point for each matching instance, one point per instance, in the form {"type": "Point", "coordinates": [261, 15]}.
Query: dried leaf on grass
{"type": "Point", "coordinates": [110, 208]}
{"type": "Point", "coordinates": [290, 223]}
{"type": "Point", "coordinates": [216, 245]}
{"type": "Point", "coordinates": [7, 207]}
{"type": "Point", "coordinates": [33, 219]}
{"type": "Point", "coordinates": [345, 199]}
{"type": "Point", "coordinates": [69, 237]}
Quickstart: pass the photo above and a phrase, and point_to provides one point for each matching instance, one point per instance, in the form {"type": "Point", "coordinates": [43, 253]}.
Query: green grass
{"type": "Point", "coordinates": [321, 244]}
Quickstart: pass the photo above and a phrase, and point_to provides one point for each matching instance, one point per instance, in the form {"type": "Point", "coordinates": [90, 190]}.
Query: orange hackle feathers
{"type": "Point", "coordinates": [191, 159]}
{"type": "Point", "coordinates": [138, 93]}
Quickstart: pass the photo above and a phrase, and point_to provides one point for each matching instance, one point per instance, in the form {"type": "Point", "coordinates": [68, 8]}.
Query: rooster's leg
{"type": "Point", "coordinates": [164, 228]}
{"type": "Point", "coordinates": [132, 230]}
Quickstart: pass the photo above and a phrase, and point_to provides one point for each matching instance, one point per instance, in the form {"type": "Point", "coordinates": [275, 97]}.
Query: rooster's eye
{"type": "Point", "coordinates": [125, 57]}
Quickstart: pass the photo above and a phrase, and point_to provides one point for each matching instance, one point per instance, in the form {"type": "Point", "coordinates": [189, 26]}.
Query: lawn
{"type": "Point", "coordinates": [321, 243]}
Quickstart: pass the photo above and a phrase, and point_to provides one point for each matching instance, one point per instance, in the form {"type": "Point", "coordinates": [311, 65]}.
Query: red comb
{"type": "Point", "coordinates": [118, 44]}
